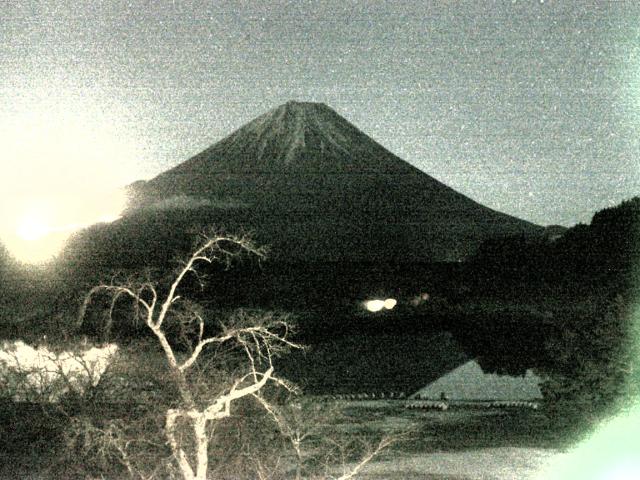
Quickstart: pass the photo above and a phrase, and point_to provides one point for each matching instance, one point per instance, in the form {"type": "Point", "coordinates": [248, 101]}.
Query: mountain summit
{"type": "Point", "coordinates": [315, 187]}
{"type": "Point", "coordinates": [295, 137]}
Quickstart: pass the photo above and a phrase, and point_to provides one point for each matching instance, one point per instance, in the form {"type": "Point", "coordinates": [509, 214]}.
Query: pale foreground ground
{"type": "Point", "coordinates": [504, 463]}
{"type": "Point", "coordinates": [464, 444]}
{"type": "Point", "coordinates": [609, 452]}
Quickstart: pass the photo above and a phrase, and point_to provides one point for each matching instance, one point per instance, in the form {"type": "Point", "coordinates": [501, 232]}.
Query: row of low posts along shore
{"type": "Point", "coordinates": [417, 402]}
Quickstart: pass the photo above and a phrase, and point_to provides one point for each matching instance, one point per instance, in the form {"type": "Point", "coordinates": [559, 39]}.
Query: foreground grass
{"type": "Point", "coordinates": [36, 448]}
{"type": "Point", "coordinates": [455, 429]}
{"type": "Point", "coordinates": [34, 439]}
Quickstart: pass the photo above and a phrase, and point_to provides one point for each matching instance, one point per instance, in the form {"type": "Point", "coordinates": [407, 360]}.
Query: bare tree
{"type": "Point", "coordinates": [317, 453]}
{"type": "Point", "coordinates": [260, 337]}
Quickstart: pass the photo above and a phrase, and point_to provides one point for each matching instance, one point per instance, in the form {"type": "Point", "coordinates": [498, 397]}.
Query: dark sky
{"type": "Point", "coordinates": [529, 107]}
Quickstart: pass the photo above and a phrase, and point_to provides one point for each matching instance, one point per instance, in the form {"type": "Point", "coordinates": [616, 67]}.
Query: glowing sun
{"type": "Point", "coordinates": [33, 226]}
{"type": "Point", "coordinates": [63, 169]}
{"type": "Point", "coordinates": [35, 230]}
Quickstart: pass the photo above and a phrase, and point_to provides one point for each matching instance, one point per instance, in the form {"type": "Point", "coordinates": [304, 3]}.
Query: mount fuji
{"type": "Point", "coordinates": [314, 187]}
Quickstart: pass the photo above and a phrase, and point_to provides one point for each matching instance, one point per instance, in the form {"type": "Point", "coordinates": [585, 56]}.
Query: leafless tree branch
{"type": "Point", "coordinates": [257, 341]}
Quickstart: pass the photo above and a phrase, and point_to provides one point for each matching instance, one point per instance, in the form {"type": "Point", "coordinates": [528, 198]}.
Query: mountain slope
{"type": "Point", "coordinates": [313, 186]}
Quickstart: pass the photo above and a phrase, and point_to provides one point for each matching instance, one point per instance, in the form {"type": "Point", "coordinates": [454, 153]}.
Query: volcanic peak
{"type": "Point", "coordinates": [311, 183]}
{"type": "Point", "coordinates": [300, 137]}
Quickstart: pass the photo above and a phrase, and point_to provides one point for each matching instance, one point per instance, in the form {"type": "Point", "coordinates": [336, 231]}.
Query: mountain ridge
{"type": "Point", "coordinates": [301, 173]}
{"type": "Point", "coordinates": [294, 127]}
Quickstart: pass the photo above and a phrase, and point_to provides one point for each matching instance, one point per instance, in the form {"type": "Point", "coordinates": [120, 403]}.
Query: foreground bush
{"type": "Point", "coordinates": [592, 349]}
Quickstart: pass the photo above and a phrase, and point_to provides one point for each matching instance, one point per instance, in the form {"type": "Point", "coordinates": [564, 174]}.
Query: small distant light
{"type": "Point", "coordinates": [377, 304]}
{"type": "Point", "coordinates": [374, 305]}
{"type": "Point", "coordinates": [419, 299]}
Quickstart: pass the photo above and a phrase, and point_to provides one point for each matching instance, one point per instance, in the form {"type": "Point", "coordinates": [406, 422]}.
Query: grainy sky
{"type": "Point", "coordinates": [529, 107]}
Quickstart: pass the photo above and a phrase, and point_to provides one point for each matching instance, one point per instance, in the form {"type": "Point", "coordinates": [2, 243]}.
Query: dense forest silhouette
{"type": "Point", "coordinates": [560, 304]}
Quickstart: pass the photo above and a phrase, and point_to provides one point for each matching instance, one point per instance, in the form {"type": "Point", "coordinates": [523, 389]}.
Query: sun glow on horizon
{"type": "Point", "coordinates": [64, 166]}
{"type": "Point", "coordinates": [33, 225]}
{"type": "Point", "coordinates": [34, 231]}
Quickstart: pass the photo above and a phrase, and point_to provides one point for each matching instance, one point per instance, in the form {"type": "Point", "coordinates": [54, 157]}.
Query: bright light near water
{"type": "Point", "coordinates": [39, 374]}
{"type": "Point", "coordinates": [64, 165]}
{"type": "Point", "coordinates": [374, 305]}
{"type": "Point", "coordinates": [377, 305]}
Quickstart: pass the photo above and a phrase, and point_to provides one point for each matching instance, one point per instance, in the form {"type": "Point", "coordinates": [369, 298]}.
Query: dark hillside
{"type": "Point", "coordinates": [600, 257]}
